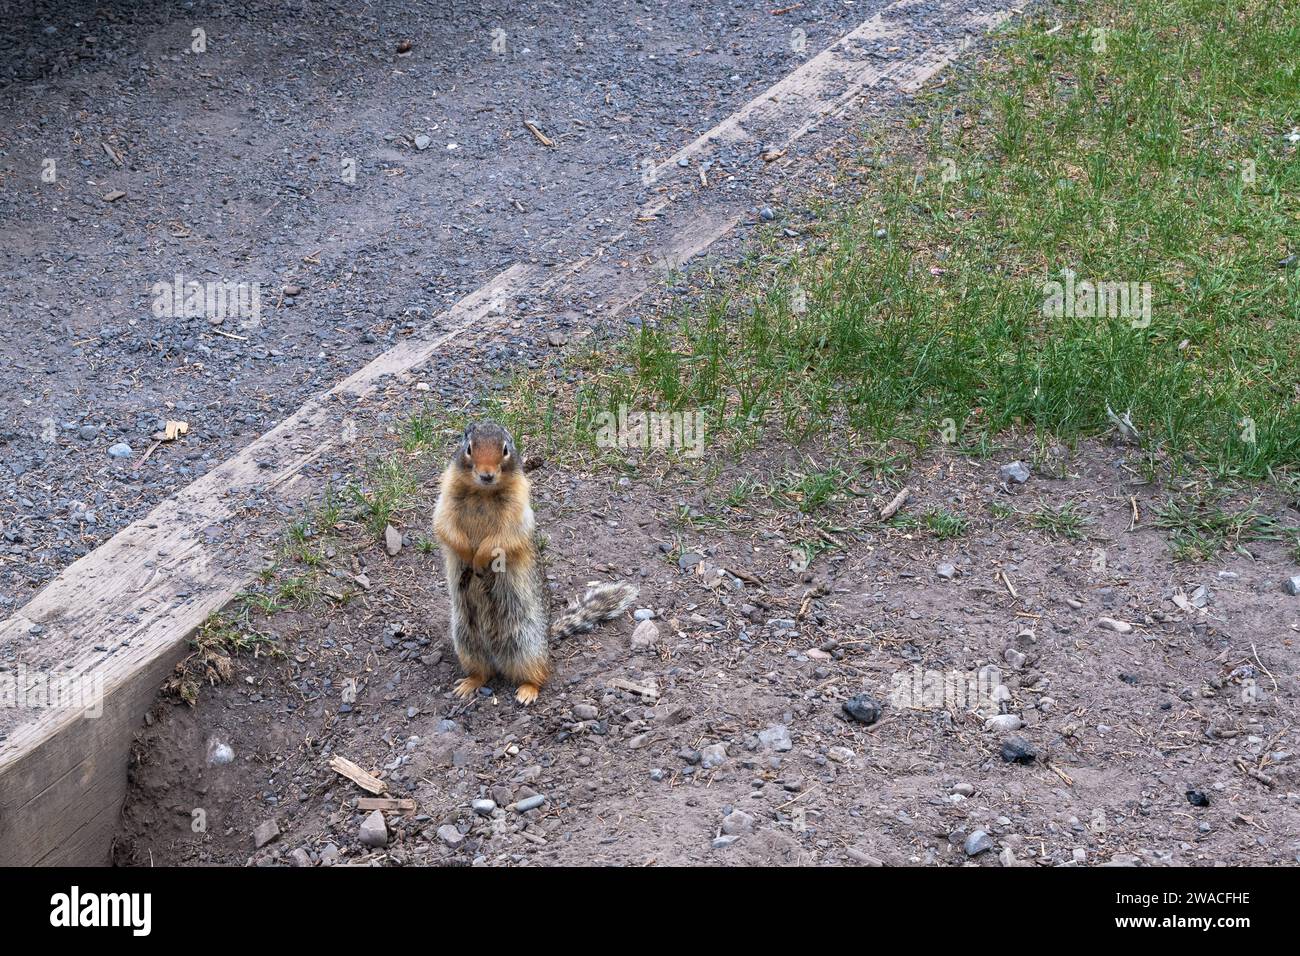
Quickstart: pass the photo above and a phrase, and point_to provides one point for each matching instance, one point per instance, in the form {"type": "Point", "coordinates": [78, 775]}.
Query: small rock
{"type": "Point", "coordinates": [1292, 585]}
{"type": "Point", "coordinates": [374, 831]}
{"type": "Point", "coordinates": [219, 753]}
{"type": "Point", "coordinates": [977, 843]}
{"type": "Point", "coordinates": [766, 214]}
{"type": "Point", "coordinates": [422, 142]}
{"type": "Point", "coordinates": [530, 803]}
{"type": "Point", "coordinates": [449, 835]}
{"type": "Point", "coordinates": [1018, 750]}
{"type": "Point", "coordinates": [1198, 798]}
{"type": "Point", "coordinates": [484, 807]}
{"type": "Point", "coordinates": [265, 833]}
{"type": "Point", "coordinates": [645, 634]}
{"type": "Point", "coordinates": [392, 540]}
{"type": "Point", "coordinates": [737, 822]}
{"type": "Point", "coordinates": [643, 614]}
{"type": "Point", "coordinates": [300, 857]}
{"type": "Point", "coordinates": [585, 712]}
{"type": "Point", "coordinates": [862, 708]}
{"type": "Point", "coordinates": [840, 754]}
{"type": "Point", "coordinates": [776, 737]}
{"type": "Point", "coordinates": [714, 755]}
{"type": "Point", "coordinates": [120, 450]}
{"type": "Point", "coordinates": [1016, 473]}
{"type": "Point", "coordinates": [1003, 723]}
{"type": "Point", "coordinates": [965, 789]}
{"type": "Point", "coordinates": [722, 842]}
{"type": "Point", "coordinates": [1110, 624]}
{"type": "Point", "coordinates": [946, 571]}
{"type": "Point", "coordinates": [689, 560]}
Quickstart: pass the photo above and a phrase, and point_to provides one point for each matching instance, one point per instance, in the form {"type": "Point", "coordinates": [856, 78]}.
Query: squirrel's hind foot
{"type": "Point", "coordinates": [527, 693]}
{"type": "Point", "coordinates": [465, 688]}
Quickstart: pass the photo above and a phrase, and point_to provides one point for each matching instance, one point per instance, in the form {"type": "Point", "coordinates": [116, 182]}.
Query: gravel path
{"type": "Point", "coordinates": [359, 189]}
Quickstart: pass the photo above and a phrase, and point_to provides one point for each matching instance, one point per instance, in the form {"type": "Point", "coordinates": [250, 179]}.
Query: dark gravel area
{"type": "Point", "coordinates": [233, 167]}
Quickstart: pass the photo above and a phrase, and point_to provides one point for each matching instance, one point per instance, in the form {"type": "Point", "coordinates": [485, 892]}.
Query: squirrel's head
{"type": "Point", "coordinates": [487, 456]}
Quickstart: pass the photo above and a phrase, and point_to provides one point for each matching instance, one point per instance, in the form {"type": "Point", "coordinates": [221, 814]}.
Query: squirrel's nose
{"type": "Point", "coordinates": [486, 477]}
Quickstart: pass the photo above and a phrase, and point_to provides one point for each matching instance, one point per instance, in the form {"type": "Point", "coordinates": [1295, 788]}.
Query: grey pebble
{"type": "Point", "coordinates": [977, 843]}
{"type": "Point", "coordinates": [530, 803]}
{"type": "Point", "coordinates": [1016, 473]}
{"type": "Point", "coordinates": [374, 831]}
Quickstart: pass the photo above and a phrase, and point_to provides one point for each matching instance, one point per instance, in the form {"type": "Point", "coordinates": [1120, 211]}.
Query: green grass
{"type": "Point", "coordinates": [390, 487]}
{"type": "Point", "coordinates": [1126, 166]}
{"type": "Point", "coordinates": [813, 491]}
{"type": "Point", "coordinates": [1066, 521]}
{"type": "Point", "coordinates": [1201, 526]}
{"type": "Point", "coordinates": [942, 524]}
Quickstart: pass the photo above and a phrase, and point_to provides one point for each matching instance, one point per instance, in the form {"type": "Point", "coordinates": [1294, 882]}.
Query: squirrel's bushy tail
{"type": "Point", "coordinates": [603, 602]}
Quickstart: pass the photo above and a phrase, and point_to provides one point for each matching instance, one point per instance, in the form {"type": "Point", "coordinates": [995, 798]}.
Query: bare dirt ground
{"type": "Point", "coordinates": [1169, 744]}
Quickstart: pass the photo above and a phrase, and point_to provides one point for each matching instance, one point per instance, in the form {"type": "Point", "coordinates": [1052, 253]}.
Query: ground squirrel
{"type": "Point", "coordinates": [484, 521]}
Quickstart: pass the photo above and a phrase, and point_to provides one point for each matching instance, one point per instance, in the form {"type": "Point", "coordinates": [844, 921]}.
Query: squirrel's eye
{"type": "Point", "coordinates": [505, 453]}
{"type": "Point", "coordinates": [469, 450]}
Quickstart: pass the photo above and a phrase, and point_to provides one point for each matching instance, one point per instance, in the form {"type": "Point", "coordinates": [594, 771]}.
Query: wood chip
{"type": "Point", "coordinates": [366, 781]}
{"type": "Point", "coordinates": [1254, 774]}
{"type": "Point", "coordinates": [1065, 777]}
{"type": "Point", "coordinates": [112, 154]}
{"type": "Point", "coordinates": [397, 804]}
{"type": "Point", "coordinates": [114, 196]}
{"type": "Point", "coordinates": [541, 137]}
{"type": "Point", "coordinates": [891, 509]}
{"type": "Point", "coordinates": [745, 576]}
{"type": "Point", "coordinates": [1007, 582]}
{"type": "Point", "coordinates": [645, 690]}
